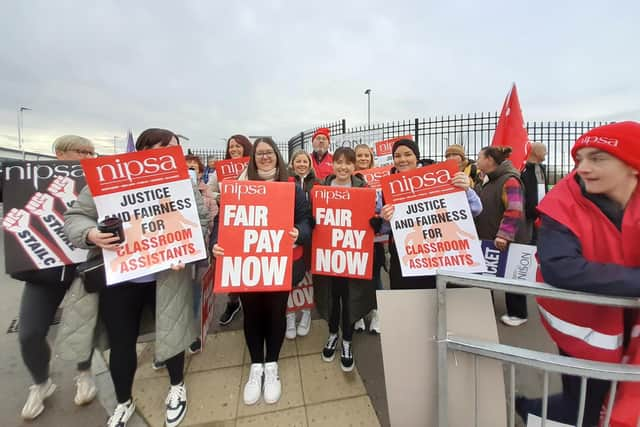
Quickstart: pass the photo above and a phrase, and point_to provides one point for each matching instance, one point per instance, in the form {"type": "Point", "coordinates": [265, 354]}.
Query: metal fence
{"type": "Point", "coordinates": [547, 362]}
{"type": "Point", "coordinates": [473, 131]}
{"type": "Point", "coordinates": [219, 154]}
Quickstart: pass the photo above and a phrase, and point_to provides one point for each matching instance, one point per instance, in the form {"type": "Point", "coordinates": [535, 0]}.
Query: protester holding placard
{"type": "Point", "coordinates": [238, 146]}
{"type": "Point", "coordinates": [120, 308]}
{"type": "Point", "coordinates": [365, 160]}
{"type": "Point", "coordinates": [194, 163]}
{"type": "Point", "coordinates": [406, 157]}
{"type": "Point", "coordinates": [342, 297]}
{"type": "Point", "coordinates": [468, 166]}
{"type": "Point", "coordinates": [588, 242]}
{"type": "Point", "coordinates": [264, 312]}
{"type": "Point", "coordinates": [322, 159]}
{"type": "Point", "coordinates": [302, 172]}
{"type": "Point", "coordinates": [40, 300]}
{"type": "Point", "coordinates": [502, 219]}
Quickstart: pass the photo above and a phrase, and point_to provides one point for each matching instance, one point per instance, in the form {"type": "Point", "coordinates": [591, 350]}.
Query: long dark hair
{"type": "Point", "coordinates": [152, 136]}
{"type": "Point", "coordinates": [498, 154]}
{"type": "Point", "coordinates": [282, 173]}
{"type": "Point", "coordinates": [242, 140]}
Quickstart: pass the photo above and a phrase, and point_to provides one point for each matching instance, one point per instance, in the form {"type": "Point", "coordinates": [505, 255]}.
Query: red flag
{"type": "Point", "coordinates": [511, 131]}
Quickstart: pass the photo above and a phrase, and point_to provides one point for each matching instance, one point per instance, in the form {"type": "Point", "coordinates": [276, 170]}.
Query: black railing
{"type": "Point", "coordinates": [472, 131]}
{"type": "Point", "coordinates": [219, 154]}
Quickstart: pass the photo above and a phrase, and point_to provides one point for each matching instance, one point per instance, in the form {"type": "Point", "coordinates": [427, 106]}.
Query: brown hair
{"type": "Point", "coordinates": [365, 147]}
{"type": "Point", "coordinates": [498, 154]}
{"type": "Point", "coordinates": [295, 155]}
{"type": "Point", "coordinates": [252, 168]}
{"type": "Point", "coordinates": [192, 158]}
{"type": "Point", "coordinates": [347, 152]}
{"type": "Point", "coordinates": [242, 140]}
{"type": "Point", "coordinates": [152, 136]}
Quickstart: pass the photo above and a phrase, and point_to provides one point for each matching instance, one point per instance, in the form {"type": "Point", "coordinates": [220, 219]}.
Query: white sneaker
{"type": "Point", "coordinates": [176, 402]}
{"type": "Point", "coordinates": [291, 326]}
{"type": "Point", "coordinates": [121, 414]}
{"type": "Point", "coordinates": [253, 387]}
{"type": "Point", "coordinates": [35, 401]}
{"type": "Point", "coordinates": [305, 323]}
{"type": "Point", "coordinates": [374, 326]}
{"type": "Point", "coordinates": [272, 385]}
{"type": "Point", "coordinates": [512, 320]}
{"type": "Point", "coordinates": [359, 326]}
{"type": "Point", "coordinates": [85, 388]}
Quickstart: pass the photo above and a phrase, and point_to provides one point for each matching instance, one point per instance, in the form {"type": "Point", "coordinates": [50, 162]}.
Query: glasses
{"type": "Point", "coordinates": [265, 153]}
{"type": "Point", "coordinates": [85, 152]}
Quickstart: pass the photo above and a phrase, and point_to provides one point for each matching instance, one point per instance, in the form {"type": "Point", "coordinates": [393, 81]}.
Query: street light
{"type": "Point", "coordinates": [20, 130]}
{"type": "Point", "coordinates": [368, 93]}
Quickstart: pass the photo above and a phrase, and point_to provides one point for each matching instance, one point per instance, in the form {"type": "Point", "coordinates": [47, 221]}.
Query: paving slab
{"type": "Point", "coordinates": [295, 417]}
{"type": "Point", "coordinates": [354, 412]}
{"type": "Point", "coordinates": [322, 381]}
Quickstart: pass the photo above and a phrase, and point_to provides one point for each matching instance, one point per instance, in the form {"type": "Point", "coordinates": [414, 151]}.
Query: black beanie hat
{"type": "Point", "coordinates": [407, 143]}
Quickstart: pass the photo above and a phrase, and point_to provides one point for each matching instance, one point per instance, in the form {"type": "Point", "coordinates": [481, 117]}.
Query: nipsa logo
{"type": "Point", "coordinates": [38, 171]}
{"type": "Point", "coordinates": [233, 168]}
{"type": "Point", "coordinates": [595, 140]}
{"type": "Point", "coordinates": [419, 183]}
{"type": "Point", "coordinates": [131, 169]}
{"type": "Point", "coordinates": [239, 189]}
{"type": "Point", "coordinates": [327, 195]}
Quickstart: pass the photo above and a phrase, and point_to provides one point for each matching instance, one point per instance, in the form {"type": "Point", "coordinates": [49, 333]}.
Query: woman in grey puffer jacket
{"type": "Point", "coordinates": [120, 308]}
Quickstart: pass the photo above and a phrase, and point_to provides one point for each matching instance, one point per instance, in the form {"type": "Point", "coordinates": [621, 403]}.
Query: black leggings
{"type": "Point", "coordinates": [264, 322]}
{"type": "Point", "coordinates": [340, 305]}
{"type": "Point", "coordinates": [121, 309]}
{"type": "Point", "coordinates": [37, 309]}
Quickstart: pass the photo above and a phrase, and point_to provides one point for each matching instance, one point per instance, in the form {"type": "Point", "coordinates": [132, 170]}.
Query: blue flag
{"type": "Point", "coordinates": [131, 146]}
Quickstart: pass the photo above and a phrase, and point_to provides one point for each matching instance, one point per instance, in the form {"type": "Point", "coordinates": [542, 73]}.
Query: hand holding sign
{"type": "Point", "coordinates": [460, 180]}
{"type": "Point", "coordinates": [387, 212]}
{"type": "Point", "coordinates": [103, 240]}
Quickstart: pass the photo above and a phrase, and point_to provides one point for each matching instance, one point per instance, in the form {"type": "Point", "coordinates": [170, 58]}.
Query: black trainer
{"type": "Point", "coordinates": [196, 346]}
{"type": "Point", "coordinates": [329, 350]}
{"type": "Point", "coordinates": [229, 313]}
{"type": "Point", "coordinates": [346, 357]}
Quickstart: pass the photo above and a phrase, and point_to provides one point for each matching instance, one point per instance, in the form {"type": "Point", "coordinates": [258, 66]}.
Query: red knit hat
{"type": "Point", "coordinates": [621, 140]}
{"type": "Point", "coordinates": [322, 131]}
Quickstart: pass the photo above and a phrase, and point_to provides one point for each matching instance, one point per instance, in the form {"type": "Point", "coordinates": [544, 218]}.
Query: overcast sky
{"type": "Point", "coordinates": [208, 69]}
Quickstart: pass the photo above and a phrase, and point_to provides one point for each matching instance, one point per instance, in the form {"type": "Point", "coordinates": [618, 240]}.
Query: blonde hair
{"type": "Point", "coordinates": [369, 149]}
{"type": "Point", "coordinates": [66, 143]}
{"type": "Point", "coordinates": [297, 153]}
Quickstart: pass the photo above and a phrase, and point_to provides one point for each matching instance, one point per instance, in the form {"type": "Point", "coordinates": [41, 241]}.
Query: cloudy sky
{"type": "Point", "coordinates": [208, 69]}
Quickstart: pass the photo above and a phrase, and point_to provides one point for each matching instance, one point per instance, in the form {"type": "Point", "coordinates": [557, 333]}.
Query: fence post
{"type": "Point", "coordinates": [302, 140]}
{"type": "Point", "coordinates": [344, 125]}
{"type": "Point", "coordinates": [416, 126]}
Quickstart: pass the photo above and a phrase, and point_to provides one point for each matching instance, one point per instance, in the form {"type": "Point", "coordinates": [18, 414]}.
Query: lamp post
{"type": "Point", "coordinates": [368, 93]}
{"type": "Point", "coordinates": [20, 130]}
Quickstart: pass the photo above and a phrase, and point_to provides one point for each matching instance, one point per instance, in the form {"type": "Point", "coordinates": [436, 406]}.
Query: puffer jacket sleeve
{"type": "Point", "coordinates": [204, 214]}
{"type": "Point", "coordinates": [81, 217]}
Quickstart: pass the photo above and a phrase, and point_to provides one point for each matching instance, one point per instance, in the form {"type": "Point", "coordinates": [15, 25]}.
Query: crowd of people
{"type": "Point", "coordinates": [584, 230]}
